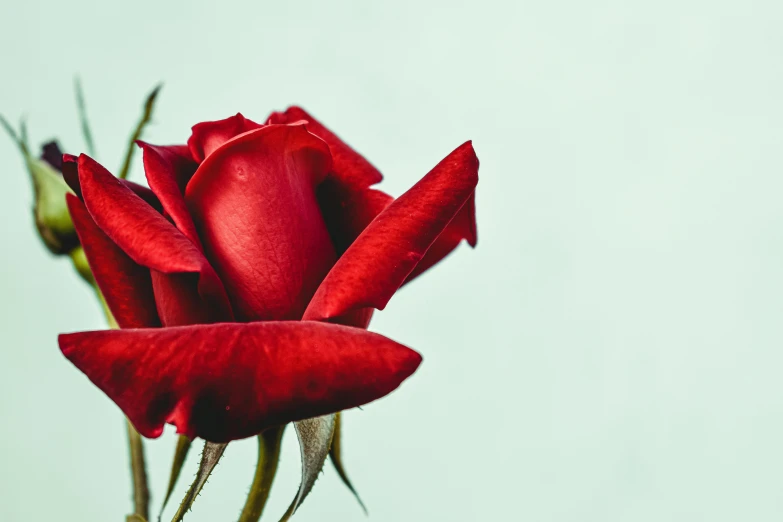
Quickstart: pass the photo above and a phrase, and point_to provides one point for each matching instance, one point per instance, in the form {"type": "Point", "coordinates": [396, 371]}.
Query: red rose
{"type": "Point", "coordinates": [244, 282]}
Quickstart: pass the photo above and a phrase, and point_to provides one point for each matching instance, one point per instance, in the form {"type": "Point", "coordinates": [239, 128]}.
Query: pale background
{"type": "Point", "coordinates": [612, 349]}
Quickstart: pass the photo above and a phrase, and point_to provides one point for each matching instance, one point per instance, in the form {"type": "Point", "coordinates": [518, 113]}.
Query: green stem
{"type": "Point", "coordinates": [268, 457]}
{"type": "Point", "coordinates": [141, 494]}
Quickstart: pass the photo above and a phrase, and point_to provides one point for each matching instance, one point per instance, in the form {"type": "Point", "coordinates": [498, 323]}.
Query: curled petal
{"type": "Point", "coordinates": [147, 237]}
{"type": "Point", "coordinates": [388, 250]}
{"type": "Point", "coordinates": [71, 176]}
{"type": "Point", "coordinates": [125, 284]}
{"type": "Point", "coordinates": [463, 226]}
{"type": "Point", "coordinates": [253, 201]}
{"type": "Point", "coordinates": [208, 136]}
{"type": "Point", "coordinates": [168, 170]}
{"type": "Point", "coordinates": [350, 167]}
{"type": "Point", "coordinates": [229, 381]}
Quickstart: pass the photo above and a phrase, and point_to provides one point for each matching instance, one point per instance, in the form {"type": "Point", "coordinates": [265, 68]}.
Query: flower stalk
{"type": "Point", "coordinates": [269, 443]}
{"type": "Point", "coordinates": [141, 492]}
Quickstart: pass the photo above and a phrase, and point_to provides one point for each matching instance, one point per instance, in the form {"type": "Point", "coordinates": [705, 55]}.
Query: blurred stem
{"type": "Point", "coordinates": [268, 457]}
{"type": "Point", "coordinates": [82, 108]}
{"type": "Point", "coordinates": [146, 116]}
{"type": "Point", "coordinates": [21, 138]}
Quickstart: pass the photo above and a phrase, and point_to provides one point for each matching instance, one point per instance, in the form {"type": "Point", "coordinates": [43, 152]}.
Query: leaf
{"type": "Point", "coordinates": [141, 493]}
{"type": "Point", "coordinates": [209, 459]}
{"type": "Point", "coordinates": [315, 439]}
{"type": "Point", "coordinates": [145, 119]}
{"type": "Point", "coordinates": [82, 108]}
{"type": "Point", "coordinates": [266, 468]}
{"type": "Point", "coordinates": [180, 454]}
{"type": "Point", "coordinates": [336, 456]}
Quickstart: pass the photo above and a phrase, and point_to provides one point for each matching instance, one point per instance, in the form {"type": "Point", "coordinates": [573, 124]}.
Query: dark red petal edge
{"type": "Point", "coordinates": [228, 381]}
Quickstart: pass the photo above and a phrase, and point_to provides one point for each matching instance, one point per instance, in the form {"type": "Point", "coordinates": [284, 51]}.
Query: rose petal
{"type": "Point", "coordinates": [168, 170]}
{"type": "Point", "coordinates": [70, 171]}
{"type": "Point", "coordinates": [388, 250]}
{"type": "Point", "coordinates": [350, 167]}
{"type": "Point", "coordinates": [231, 380]}
{"type": "Point", "coordinates": [71, 176]}
{"type": "Point", "coordinates": [179, 302]}
{"type": "Point", "coordinates": [148, 238]}
{"type": "Point", "coordinates": [208, 136]}
{"type": "Point", "coordinates": [125, 285]}
{"type": "Point", "coordinates": [253, 202]}
{"type": "Point", "coordinates": [463, 226]}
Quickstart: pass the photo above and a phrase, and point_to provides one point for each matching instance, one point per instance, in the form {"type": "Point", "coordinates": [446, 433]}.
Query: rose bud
{"type": "Point", "coordinates": [50, 210]}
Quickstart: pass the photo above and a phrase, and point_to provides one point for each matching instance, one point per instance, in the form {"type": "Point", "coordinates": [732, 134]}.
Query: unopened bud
{"type": "Point", "coordinates": [50, 210]}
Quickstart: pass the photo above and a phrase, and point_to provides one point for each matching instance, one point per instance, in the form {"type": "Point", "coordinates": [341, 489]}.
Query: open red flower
{"type": "Point", "coordinates": [244, 283]}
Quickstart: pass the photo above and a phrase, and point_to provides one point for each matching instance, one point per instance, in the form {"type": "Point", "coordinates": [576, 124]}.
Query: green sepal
{"type": "Point", "coordinates": [315, 439]}
{"type": "Point", "coordinates": [335, 455]}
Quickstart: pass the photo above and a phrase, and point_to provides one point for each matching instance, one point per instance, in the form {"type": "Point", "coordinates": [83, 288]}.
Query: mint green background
{"type": "Point", "coordinates": [611, 351]}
